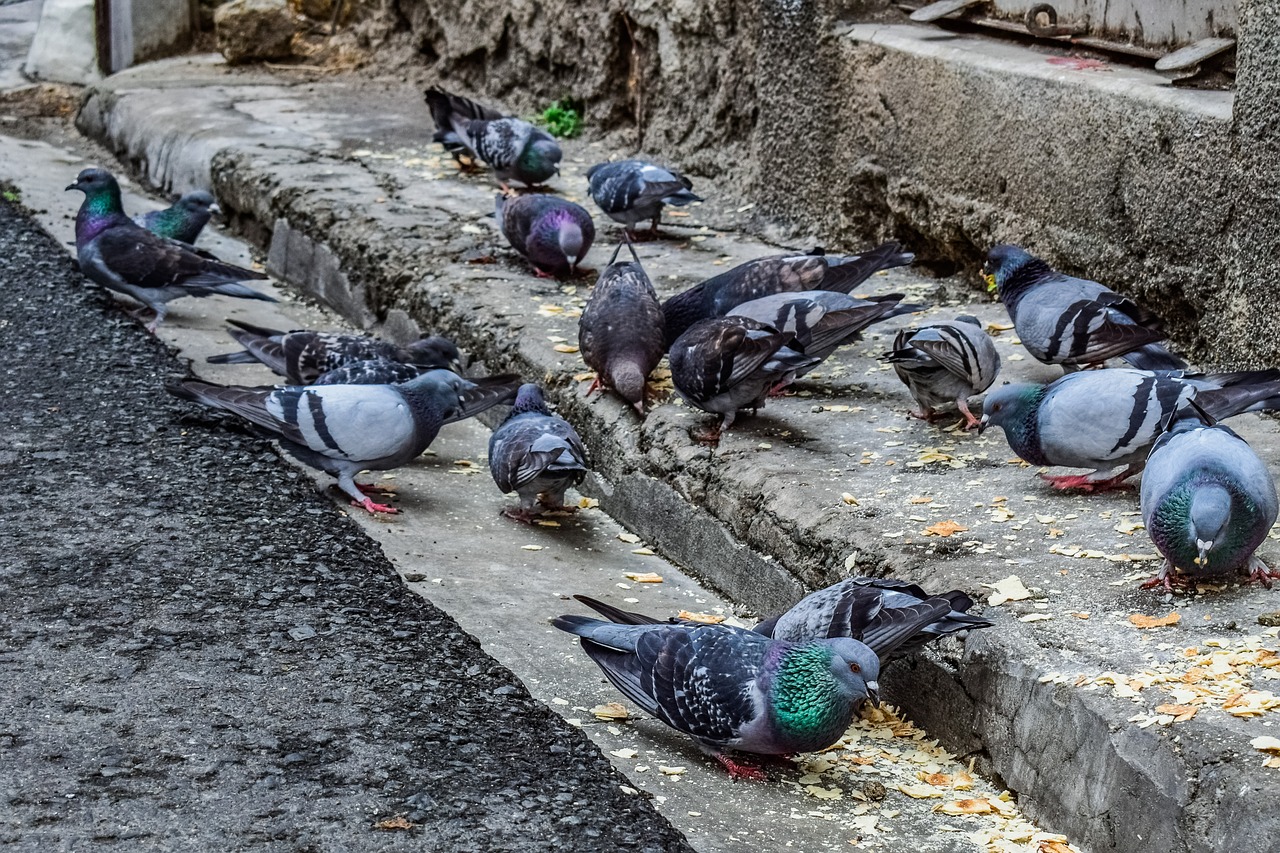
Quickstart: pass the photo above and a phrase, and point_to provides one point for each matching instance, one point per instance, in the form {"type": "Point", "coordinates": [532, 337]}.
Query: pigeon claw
{"type": "Point", "coordinates": [375, 508]}
{"type": "Point", "coordinates": [737, 770]}
{"type": "Point", "coordinates": [1260, 572]}
{"type": "Point", "coordinates": [1085, 483]}
{"type": "Point", "coordinates": [524, 516]}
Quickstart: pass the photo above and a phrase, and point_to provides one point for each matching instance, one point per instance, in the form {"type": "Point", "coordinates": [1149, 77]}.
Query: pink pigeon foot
{"type": "Point", "coordinates": [375, 508]}
{"type": "Point", "coordinates": [1085, 483]}
{"type": "Point", "coordinates": [1260, 572]}
{"type": "Point", "coordinates": [741, 770]}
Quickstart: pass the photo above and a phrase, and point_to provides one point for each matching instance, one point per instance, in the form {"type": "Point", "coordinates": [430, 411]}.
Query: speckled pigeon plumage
{"type": "Point", "coordinates": [184, 220]}
{"type": "Point", "coordinates": [730, 363]}
{"type": "Point", "coordinates": [535, 454]}
{"type": "Point", "coordinates": [121, 255]}
{"type": "Point", "coordinates": [620, 333]}
{"type": "Point", "coordinates": [633, 191]}
{"type": "Point", "coordinates": [822, 320]}
{"type": "Point", "coordinates": [345, 429]}
{"type": "Point", "coordinates": [1073, 321]}
{"type": "Point", "coordinates": [732, 689]}
{"type": "Point", "coordinates": [1099, 419]}
{"type": "Point", "coordinates": [513, 148]}
{"type": "Point", "coordinates": [716, 296]}
{"type": "Point", "coordinates": [552, 234]}
{"type": "Point", "coordinates": [373, 371]}
{"type": "Point", "coordinates": [302, 356]}
{"type": "Point", "coordinates": [1208, 502]}
{"type": "Point", "coordinates": [945, 364]}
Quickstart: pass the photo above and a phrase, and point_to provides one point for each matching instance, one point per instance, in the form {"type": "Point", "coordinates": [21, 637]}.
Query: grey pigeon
{"type": "Point", "coordinates": [345, 429]}
{"type": "Point", "coordinates": [822, 320]}
{"type": "Point", "coordinates": [945, 363]}
{"type": "Point", "coordinates": [184, 220]}
{"type": "Point", "coordinates": [1208, 502]}
{"type": "Point", "coordinates": [1073, 321]}
{"type": "Point", "coordinates": [732, 689]}
{"type": "Point", "coordinates": [716, 296]}
{"type": "Point", "coordinates": [373, 371]}
{"type": "Point", "coordinates": [535, 454]}
{"type": "Point", "coordinates": [1102, 418]}
{"type": "Point", "coordinates": [871, 610]}
{"type": "Point", "coordinates": [620, 332]}
{"type": "Point", "coordinates": [302, 356]}
{"type": "Point", "coordinates": [730, 363]}
{"type": "Point", "coordinates": [123, 256]}
{"type": "Point", "coordinates": [633, 191]}
{"type": "Point", "coordinates": [513, 148]}
{"type": "Point", "coordinates": [553, 234]}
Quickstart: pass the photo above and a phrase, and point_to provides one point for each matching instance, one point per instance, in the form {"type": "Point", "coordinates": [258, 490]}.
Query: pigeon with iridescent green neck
{"type": "Point", "coordinates": [732, 689]}
{"type": "Point", "coordinates": [1208, 502]}
{"type": "Point", "coordinates": [123, 256]}
{"type": "Point", "coordinates": [1099, 419]}
{"type": "Point", "coordinates": [513, 148]}
{"type": "Point", "coordinates": [553, 234]}
{"type": "Point", "coordinates": [184, 220]}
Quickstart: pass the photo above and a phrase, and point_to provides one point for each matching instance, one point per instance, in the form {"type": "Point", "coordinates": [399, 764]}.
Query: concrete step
{"type": "Point", "coordinates": [1061, 700]}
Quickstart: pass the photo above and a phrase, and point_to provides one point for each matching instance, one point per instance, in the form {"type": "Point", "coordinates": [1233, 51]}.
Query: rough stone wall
{"type": "Point", "coordinates": [676, 77]}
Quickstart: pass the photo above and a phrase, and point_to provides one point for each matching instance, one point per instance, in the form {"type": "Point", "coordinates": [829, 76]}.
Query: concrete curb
{"type": "Point", "coordinates": [758, 525]}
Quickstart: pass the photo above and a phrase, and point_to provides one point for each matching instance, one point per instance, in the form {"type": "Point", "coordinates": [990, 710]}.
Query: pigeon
{"type": "Point", "coordinates": [302, 356]}
{"type": "Point", "coordinates": [123, 256]}
{"type": "Point", "coordinates": [867, 609]}
{"type": "Point", "coordinates": [535, 454]}
{"type": "Point", "coordinates": [1074, 322]}
{"type": "Point", "coordinates": [633, 191]}
{"type": "Point", "coordinates": [725, 364]}
{"type": "Point", "coordinates": [821, 320]}
{"type": "Point", "coordinates": [716, 296]}
{"type": "Point", "coordinates": [553, 234]}
{"type": "Point", "coordinates": [620, 333]}
{"type": "Point", "coordinates": [514, 149]}
{"type": "Point", "coordinates": [731, 689]}
{"type": "Point", "coordinates": [345, 429]}
{"type": "Point", "coordinates": [945, 363]}
{"type": "Point", "coordinates": [373, 371]}
{"type": "Point", "coordinates": [184, 220]}
{"type": "Point", "coordinates": [1102, 418]}
{"type": "Point", "coordinates": [1208, 501]}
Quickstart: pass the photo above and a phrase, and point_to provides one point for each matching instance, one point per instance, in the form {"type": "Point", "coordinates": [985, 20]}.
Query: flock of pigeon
{"type": "Point", "coordinates": [794, 682]}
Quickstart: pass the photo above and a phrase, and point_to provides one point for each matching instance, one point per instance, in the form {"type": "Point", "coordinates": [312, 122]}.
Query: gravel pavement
{"type": "Point", "coordinates": [200, 652]}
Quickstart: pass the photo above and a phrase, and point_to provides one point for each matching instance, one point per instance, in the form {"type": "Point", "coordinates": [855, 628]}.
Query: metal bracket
{"type": "Point", "coordinates": [1051, 29]}
{"type": "Point", "coordinates": [941, 9]}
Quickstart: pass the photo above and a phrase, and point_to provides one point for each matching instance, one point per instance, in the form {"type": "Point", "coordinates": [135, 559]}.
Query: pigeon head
{"type": "Point", "coordinates": [627, 378]}
{"type": "Point", "coordinates": [1210, 518]}
{"type": "Point", "coordinates": [816, 688]}
{"type": "Point", "coordinates": [539, 161]}
{"type": "Point", "coordinates": [1003, 262]}
{"type": "Point", "coordinates": [529, 399]}
{"type": "Point", "coordinates": [198, 203]}
{"type": "Point", "coordinates": [1013, 408]}
{"type": "Point", "coordinates": [101, 191]}
{"type": "Point", "coordinates": [435, 351]}
{"type": "Point", "coordinates": [856, 667]}
{"type": "Point", "coordinates": [558, 241]}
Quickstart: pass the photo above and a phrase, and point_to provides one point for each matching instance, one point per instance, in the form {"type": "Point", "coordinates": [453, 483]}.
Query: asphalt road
{"type": "Point", "coordinates": [199, 652]}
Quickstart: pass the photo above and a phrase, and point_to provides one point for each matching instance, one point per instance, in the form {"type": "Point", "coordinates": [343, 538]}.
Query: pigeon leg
{"type": "Point", "coordinates": [159, 318]}
{"type": "Point", "coordinates": [521, 514]}
{"type": "Point", "coordinates": [741, 770]}
{"type": "Point", "coordinates": [1168, 578]}
{"type": "Point", "coordinates": [595, 385]}
{"type": "Point", "coordinates": [353, 490]}
{"type": "Point", "coordinates": [1091, 482]}
{"type": "Point", "coordinates": [925, 414]}
{"type": "Point", "coordinates": [970, 422]}
{"type": "Point", "coordinates": [1260, 572]}
{"type": "Point", "coordinates": [540, 274]}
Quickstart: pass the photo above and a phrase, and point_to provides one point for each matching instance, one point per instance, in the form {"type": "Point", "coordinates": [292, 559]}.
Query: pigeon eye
{"type": "Point", "coordinates": [853, 667]}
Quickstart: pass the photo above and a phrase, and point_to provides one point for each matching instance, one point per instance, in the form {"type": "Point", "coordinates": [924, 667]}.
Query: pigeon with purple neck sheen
{"type": "Point", "coordinates": [122, 256]}
{"type": "Point", "coordinates": [183, 220]}
{"type": "Point", "coordinates": [620, 332]}
{"type": "Point", "coordinates": [717, 296]}
{"type": "Point", "coordinates": [345, 429]}
{"type": "Point", "coordinates": [822, 320]}
{"type": "Point", "coordinates": [1074, 322]}
{"type": "Point", "coordinates": [633, 191]}
{"type": "Point", "coordinates": [731, 689]}
{"type": "Point", "coordinates": [1208, 502]}
{"type": "Point", "coordinates": [553, 234]}
{"type": "Point", "coordinates": [725, 364]}
{"type": "Point", "coordinates": [945, 364]}
{"type": "Point", "coordinates": [871, 610]}
{"type": "Point", "coordinates": [302, 356]}
{"type": "Point", "coordinates": [1099, 419]}
{"type": "Point", "coordinates": [535, 454]}
{"type": "Point", "coordinates": [513, 148]}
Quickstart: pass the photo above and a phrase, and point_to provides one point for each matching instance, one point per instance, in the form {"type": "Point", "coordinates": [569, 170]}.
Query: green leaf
{"type": "Point", "coordinates": [562, 120]}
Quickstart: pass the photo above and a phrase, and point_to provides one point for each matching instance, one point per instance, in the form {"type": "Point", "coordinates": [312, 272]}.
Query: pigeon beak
{"type": "Point", "coordinates": [74, 186]}
{"type": "Point", "coordinates": [873, 693]}
{"type": "Point", "coordinates": [1203, 548]}
{"type": "Point", "coordinates": [213, 208]}
{"type": "Point", "coordinates": [983, 424]}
